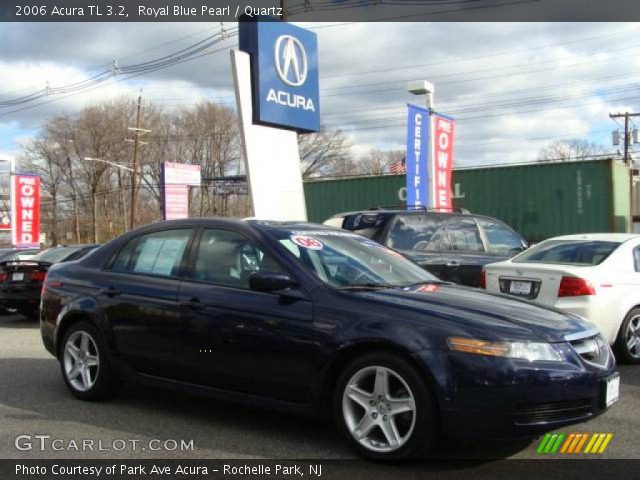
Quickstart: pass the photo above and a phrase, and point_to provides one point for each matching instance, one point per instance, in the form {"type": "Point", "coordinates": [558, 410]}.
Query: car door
{"type": "Point", "coordinates": [237, 339]}
{"type": "Point", "coordinates": [418, 237]}
{"type": "Point", "coordinates": [139, 292]}
{"type": "Point", "coordinates": [463, 251]}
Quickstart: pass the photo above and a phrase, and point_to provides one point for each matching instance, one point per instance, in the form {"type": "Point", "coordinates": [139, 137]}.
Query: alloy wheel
{"type": "Point", "coordinates": [81, 361]}
{"type": "Point", "coordinates": [379, 409]}
{"type": "Point", "coordinates": [632, 337]}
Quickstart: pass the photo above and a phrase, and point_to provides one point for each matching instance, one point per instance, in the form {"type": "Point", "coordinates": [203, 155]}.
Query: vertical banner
{"type": "Point", "coordinates": [442, 162]}
{"type": "Point", "coordinates": [417, 165]}
{"type": "Point", "coordinates": [25, 211]}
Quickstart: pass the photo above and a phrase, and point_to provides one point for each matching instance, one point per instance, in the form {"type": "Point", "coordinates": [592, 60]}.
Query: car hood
{"type": "Point", "coordinates": [493, 316]}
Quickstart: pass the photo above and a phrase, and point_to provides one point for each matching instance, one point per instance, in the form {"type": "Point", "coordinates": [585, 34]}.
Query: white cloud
{"type": "Point", "coordinates": [506, 83]}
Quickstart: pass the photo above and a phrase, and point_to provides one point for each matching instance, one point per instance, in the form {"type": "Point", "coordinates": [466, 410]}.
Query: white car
{"type": "Point", "coordinates": [596, 276]}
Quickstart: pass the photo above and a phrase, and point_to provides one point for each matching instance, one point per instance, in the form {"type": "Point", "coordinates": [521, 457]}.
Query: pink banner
{"type": "Point", "coordinates": [442, 162]}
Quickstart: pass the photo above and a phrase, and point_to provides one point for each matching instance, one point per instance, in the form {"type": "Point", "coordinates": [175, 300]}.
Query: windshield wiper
{"type": "Point", "coordinates": [426, 282]}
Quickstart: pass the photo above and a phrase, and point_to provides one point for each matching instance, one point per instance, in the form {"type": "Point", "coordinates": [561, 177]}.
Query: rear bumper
{"type": "Point", "coordinates": [489, 397]}
{"type": "Point", "coordinates": [591, 308]}
{"type": "Point", "coordinates": [22, 300]}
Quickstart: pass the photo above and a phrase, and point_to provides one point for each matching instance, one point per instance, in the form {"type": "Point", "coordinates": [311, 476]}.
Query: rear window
{"type": "Point", "coordinates": [54, 255]}
{"type": "Point", "coordinates": [568, 252]}
{"type": "Point", "coordinates": [414, 232]}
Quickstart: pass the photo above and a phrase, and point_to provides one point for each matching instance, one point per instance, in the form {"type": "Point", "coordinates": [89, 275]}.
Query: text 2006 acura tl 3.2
{"type": "Point", "coordinates": [310, 319]}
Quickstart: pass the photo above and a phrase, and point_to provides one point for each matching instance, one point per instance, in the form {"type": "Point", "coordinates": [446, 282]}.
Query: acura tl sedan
{"type": "Point", "coordinates": [310, 319]}
{"type": "Point", "coordinates": [595, 275]}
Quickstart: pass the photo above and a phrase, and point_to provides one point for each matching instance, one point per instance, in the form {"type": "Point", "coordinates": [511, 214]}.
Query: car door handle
{"type": "Point", "coordinates": [193, 304]}
{"type": "Point", "coordinates": [109, 292]}
{"type": "Point", "coordinates": [453, 264]}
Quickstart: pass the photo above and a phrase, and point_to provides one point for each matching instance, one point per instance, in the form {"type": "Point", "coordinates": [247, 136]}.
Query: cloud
{"type": "Point", "coordinates": [513, 87]}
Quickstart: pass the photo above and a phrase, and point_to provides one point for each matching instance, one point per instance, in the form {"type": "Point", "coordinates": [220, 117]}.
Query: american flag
{"type": "Point", "coordinates": [398, 167]}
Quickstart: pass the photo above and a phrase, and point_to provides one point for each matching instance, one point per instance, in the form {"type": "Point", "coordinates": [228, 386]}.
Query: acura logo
{"type": "Point", "coordinates": [290, 60]}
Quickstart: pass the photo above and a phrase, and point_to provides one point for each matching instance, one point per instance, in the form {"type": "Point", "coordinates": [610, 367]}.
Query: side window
{"type": "Point", "coordinates": [229, 258]}
{"type": "Point", "coordinates": [464, 235]}
{"type": "Point", "coordinates": [157, 253]}
{"type": "Point", "coordinates": [636, 258]}
{"type": "Point", "coordinates": [501, 239]}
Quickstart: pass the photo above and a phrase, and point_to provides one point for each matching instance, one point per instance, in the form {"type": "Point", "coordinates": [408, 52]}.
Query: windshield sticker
{"type": "Point", "coordinates": [307, 242]}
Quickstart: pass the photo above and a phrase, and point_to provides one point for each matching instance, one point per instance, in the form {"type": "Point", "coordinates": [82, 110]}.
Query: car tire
{"type": "Point", "coordinates": [628, 342]}
{"type": "Point", "coordinates": [391, 423]}
{"type": "Point", "coordinates": [85, 363]}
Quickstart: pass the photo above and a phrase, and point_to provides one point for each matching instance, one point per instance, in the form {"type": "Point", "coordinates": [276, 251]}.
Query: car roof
{"type": "Point", "coordinates": [601, 237]}
{"type": "Point", "coordinates": [287, 225]}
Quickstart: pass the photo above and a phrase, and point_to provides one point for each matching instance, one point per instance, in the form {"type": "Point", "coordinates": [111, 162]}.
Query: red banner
{"type": "Point", "coordinates": [442, 162]}
{"type": "Point", "coordinates": [25, 210]}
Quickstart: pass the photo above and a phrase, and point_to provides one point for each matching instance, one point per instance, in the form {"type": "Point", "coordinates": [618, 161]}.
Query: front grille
{"type": "Point", "coordinates": [593, 350]}
{"type": "Point", "coordinates": [532, 413]}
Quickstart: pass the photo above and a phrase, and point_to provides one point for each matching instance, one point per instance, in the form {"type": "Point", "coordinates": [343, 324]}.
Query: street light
{"type": "Point", "coordinates": [422, 87]}
{"type": "Point", "coordinates": [119, 165]}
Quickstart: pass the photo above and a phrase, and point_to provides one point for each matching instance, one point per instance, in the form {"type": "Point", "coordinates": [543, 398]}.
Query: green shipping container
{"type": "Point", "coordinates": [538, 200]}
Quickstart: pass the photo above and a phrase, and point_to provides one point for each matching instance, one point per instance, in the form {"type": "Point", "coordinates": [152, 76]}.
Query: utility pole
{"type": "Point", "coordinates": [138, 130]}
{"type": "Point", "coordinates": [627, 134]}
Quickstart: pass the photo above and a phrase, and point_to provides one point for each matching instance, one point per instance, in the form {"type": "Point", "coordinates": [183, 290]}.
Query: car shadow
{"type": "Point", "coordinates": [217, 428]}
{"type": "Point", "coordinates": [630, 374]}
{"type": "Point", "coordinates": [17, 321]}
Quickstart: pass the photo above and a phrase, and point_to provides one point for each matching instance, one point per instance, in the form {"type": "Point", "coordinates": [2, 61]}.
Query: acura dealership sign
{"type": "Point", "coordinates": [284, 63]}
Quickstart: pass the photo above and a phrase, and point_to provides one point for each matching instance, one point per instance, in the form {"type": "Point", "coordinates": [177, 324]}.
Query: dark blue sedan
{"type": "Point", "coordinates": [315, 320]}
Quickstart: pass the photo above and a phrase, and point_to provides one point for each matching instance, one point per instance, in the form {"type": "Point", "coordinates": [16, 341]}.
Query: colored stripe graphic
{"type": "Point", "coordinates": [573, 444]}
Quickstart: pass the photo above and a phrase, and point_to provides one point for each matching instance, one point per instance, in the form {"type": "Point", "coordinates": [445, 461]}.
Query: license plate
{"type": "Point", "coordinates": [520, 288]}
{"type": "Point", "coordinates": [18, 277]}
{"type": "Point", "coordinates": [612, 392]}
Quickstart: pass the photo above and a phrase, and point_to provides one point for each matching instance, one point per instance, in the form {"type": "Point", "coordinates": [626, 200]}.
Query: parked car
{"type": "Point", "coordinates": [596, 276]}
{"type": "Point", "coordinates": [18, 254]}
{"type": "Point", "coordinates": [21, 280]}
{"type": "Point", "coordinates": [312, 319]}
{"type": "Point", "coordinates": [453, 246]}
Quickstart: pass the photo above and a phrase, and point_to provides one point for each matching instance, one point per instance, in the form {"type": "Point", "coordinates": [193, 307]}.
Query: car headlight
{"type": "Point", "coordinates": [531, 351]}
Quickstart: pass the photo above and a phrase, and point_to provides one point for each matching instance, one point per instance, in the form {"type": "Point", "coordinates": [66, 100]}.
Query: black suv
{"type": "Point", "coordinates": [454, 246]}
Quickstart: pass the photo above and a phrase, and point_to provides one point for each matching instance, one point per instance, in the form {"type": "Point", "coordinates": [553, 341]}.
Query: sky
{"type": "Point", "coordinates": [512, 87]}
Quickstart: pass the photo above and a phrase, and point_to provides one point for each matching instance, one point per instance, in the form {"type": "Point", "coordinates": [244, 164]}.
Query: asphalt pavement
{"type": "Point", "coordinates": [36, 409]}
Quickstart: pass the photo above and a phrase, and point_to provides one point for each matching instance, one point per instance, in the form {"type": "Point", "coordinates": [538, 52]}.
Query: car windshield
{"type": "Point", "coordinates": [55, 254]}
{"type": "Point", "coordinates": [568, 252]}
{"type": "Point", "coordinates": [344, 259]}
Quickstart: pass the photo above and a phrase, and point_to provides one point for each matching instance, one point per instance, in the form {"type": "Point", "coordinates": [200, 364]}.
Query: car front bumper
{"type": "Point", "coordinates": [490, 397]}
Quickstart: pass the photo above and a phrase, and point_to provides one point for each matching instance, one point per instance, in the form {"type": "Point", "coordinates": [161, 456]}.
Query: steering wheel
{"type": "Point", "coordinates": [421, 245]}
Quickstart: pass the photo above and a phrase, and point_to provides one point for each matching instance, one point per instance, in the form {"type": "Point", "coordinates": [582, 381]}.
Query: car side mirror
{"type": "Point", "coordinates": [270, 282]}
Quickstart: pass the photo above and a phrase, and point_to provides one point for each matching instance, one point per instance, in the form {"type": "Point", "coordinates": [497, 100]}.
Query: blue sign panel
{"type": "Point", "coordinates": [417, 156]}
{"type": "Point", "coordinates": [284, 69]}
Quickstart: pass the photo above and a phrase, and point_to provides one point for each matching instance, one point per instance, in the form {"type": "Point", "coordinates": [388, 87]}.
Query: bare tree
{"type": "Point", "coordinates": [323, 153]}
{"type": "Point", "coordinates": [377, 162]}
{"type": "Point", "coordinates": [570, 149]}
